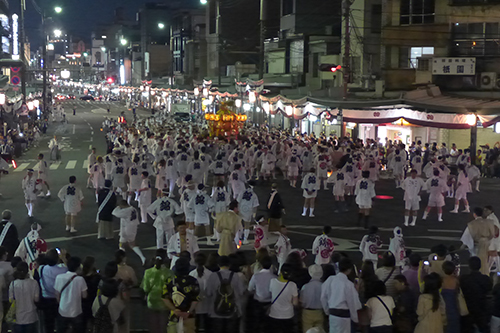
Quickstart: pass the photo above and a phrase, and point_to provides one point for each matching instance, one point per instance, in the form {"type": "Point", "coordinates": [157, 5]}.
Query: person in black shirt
{"type": "Point", "coordinates": [275, 209]}
{"type": "Point", "coordinates": [475, 287]}
{"type": "Point", "coordinates": [495, 318]}
{"type": "Point", "coordinates": [181, 294]}
{"type": "Point", "coordinates": [10, 238]}
{"type": "Point", "coordinates": [105, 208]}
{"type": "Point", "coordinates": [404, 318]}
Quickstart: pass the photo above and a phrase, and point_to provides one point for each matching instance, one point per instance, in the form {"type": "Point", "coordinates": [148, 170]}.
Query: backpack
{"type": "Point", "coordinates": [102, 322]}
{"type": "Point", "coordinates": [225, 300]}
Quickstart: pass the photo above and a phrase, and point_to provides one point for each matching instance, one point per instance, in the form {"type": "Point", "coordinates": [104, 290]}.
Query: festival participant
{"type": "Point", "coordinates": [42, 169]}
{"type": "Point", "coordinates": [437, 188]}
{"type": "Point", "coordinates": [339, 180]}
{"type": "Point", "coordinates": [195, 168]}
{"type": "Point", "coordinates": [128, 227]}
{"type": "Point", "coordinates": [202, 205]}
{"type": "Point", "coordinates": [180, 242]}
{"type": "Point", "coordinates": [30, 188]}
{"type": "Point", "coordinates": [161, 211]}
{"type": "Point", "coordinates": [310, 186]}
{"type": "Point", "coordinates": [323, 247]}
{"type": "Point", "coordinates": [248, 202]}
{"type": "Point", "coordinates": [322, 165]}
{"type": "Point", "coordinates": [397, 247]}
{"type": "Point", "coordinates": [55, 154]}
{"type": "Point", "coordinates": [370, 245]}
{"type": "Point", "coordinates": [31, 246]}
{"type": "Point", "coordinates": [463, 187]}
{"type": "Point", "coordinates": [118, 172]}
{"type": "Point", "coordinates": [106, 198]}
{"type": "Point", "coordinates": [97, 174]}
{"type": "Point", "coordinates": [221, 202]}
{"type": "Point", "coordinates": [72, 197]}
{"type": "Point", "coordinates": [144, 196]}
{"type": "Point", "coordinates": [268, 167]}
{"type": "Point", "coordinates": [238, 180]}
{"type": "Point", "coordinates": [283, 247]}
{"type": "Point", "coordinates": [417, 162]}
{"type": "Point", "coordinates": [364, 192]}
{"type": "Point", "coordinates": [134, 180]}
{"type": "Point", "coordinates": [186, 195]}
{"type": "Point", "coordinates": [261, 231]}
{"type": "Point", "coordinates": [398, 164]}
{"type": "Point", "coordinates": [219, 168]}
{"type": "Point", "coordinates": [171, 173]}
{"type": "Point", "coordinates": [413, 186]}
{"type": "Point", "coordinates": [294, 164]}
{"type": "Point", "coordinates": [228, 225]}
{"type": "Point", "coordinates": [91, 160]}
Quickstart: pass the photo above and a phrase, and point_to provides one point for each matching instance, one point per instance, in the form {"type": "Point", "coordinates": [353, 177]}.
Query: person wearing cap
{"type": "Point", "coordinates": [310, 300]}
{"type": "Point", "coordinates": [128, 227]}
{"type": "Point", "coordinates": [144, 196]}
{"type": "Point", "coordinates": [106, 200]}
{"type": "Point", "coordinates": [31, 188]}
{"type": "Point", "coordinates": [72, 197]}
{"type": "Point", "coordinates": [202, 205]}
{"type": "Point", "coordinates": [162, 211]}
{"type": "Point", "coordinates": [248, 202]}
{"type": "Point", "coordinates": [188, 192]}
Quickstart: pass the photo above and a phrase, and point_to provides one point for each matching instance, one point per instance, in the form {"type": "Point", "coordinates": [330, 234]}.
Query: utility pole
{"type": "Point", "coordinates": [219, 44]}
{"type": "Point", "coordinates": [22, 39]}
{"type": "Point", "coordinates": [346, 6]}
{"type": "Point", "coordinates": [263, 18]}
{"type": "Point", "coordinates": [44, 67]}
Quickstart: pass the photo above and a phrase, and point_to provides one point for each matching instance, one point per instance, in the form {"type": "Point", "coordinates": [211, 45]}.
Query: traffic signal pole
{"type": "Point", "coordinates": [346, 6]}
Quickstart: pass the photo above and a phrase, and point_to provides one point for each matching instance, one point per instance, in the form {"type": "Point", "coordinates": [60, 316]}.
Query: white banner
{"type": "Point", "coordinates": [453, 66]}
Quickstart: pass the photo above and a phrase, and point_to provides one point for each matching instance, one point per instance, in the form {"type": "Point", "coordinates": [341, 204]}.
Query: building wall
{"type": "Point", "coordinates": [160, 60]}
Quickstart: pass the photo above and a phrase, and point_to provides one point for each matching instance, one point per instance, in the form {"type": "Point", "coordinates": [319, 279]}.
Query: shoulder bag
{"type": "Point", "coordinates": [385, 306]}
{"type": "Point", "coordinates": [268, 307]}
{"type": "Point", "coordinates": [10, 317]}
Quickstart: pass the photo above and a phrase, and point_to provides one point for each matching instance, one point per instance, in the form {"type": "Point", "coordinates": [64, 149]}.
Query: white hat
{"type": "Point", "coordinates": [315, 271]}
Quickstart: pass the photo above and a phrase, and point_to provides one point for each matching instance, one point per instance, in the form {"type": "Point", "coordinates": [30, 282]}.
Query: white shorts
{"type": "Point", "coordinates": [436, 202]}
{"type": "Point", "coordinates": [293, 172]}
{"type": "Point", "coordinates": [365, 207]}
{"type": "Point", "coordinates": [461, 195]}
{"type": "Point", "coordinates": [308, 196]}
{"type": "Point", "coordinates": [412, 204]}
{"type": "Point", "coordinates": [127, 234]}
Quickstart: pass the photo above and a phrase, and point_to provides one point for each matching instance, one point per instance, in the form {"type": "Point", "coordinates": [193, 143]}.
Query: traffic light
{"type": "Point", "coordinates": [110, 80]}
{"type": "Point", "coordinates": [329, 68]}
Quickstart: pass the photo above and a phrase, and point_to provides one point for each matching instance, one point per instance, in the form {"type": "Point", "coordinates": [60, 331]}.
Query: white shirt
{"type": "Point", "coordinates": [412, 188]}
{"type": "Point", "coordinates": [70, 303]}
{"type": "Point", "coordinates": [323, 248]}
{"type": "Point", "coordinates": [337, 292]}
{"type": "Point", "coordinates": [72, 197]}
{"type": "Point", "coordinates": [283, 305]}
{"type": "Point", "coordinates": [260, 283]}
{"type": "Point", "coordinates": [127, 216]}
{"type": "Point", "coordinates": [379, 314]}
{"type": "Point", "coordinates": [202, 205]}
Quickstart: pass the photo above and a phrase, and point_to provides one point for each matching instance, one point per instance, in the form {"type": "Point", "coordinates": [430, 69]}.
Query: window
{"type": "Point", "coordinates": [475, 39]}
{"type": "Point", "coordinates": [287, 7]}
{"type": "Point", "coordinates": [408, 57]}
{"type": "Point", "coordinates": [98, 59]}
{"type": "Point", "coordinates": [417, 11]}
{"type": "Point", "coordinates": [315, 65]}
{"type": "Point", "coordinates": [212, 17]}
{"type": "Point", "coordinates": [376, 18]}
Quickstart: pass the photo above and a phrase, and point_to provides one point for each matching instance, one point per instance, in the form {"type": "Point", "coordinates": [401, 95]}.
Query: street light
{"type": "Point", "coordinates": [103, 49]}
{"type": "Point", "coordinates": [58, 9]}
{"type": "Point", "coordinates": [203, 2]}
{"type": "Point", "coordinates": [57, 33]}
{"type": "Point", "coordinates": [161, 25]}
{"type": "Point", "coordinates": [85, 54]}
{"type": "Point", "coordinates": [123, 41]}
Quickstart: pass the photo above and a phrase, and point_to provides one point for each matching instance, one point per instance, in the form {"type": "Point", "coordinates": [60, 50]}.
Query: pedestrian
{"type": "Point", "coordinates": [450, 292]}
{"type": "Point", "coordinates": [128, 227]}
{"type": "Point", "coordinates": [388, 272]}
{"type": "Point", "coordinates": [9, 237]}
{"type": "Point", "coordinates": [340, 299]}
{"type": "Point", "coordinates": [310, 300]}
{"type": "Point", "coordinates": [201, 273]}
{"type": "Point", "coordinates": [25, 292]}
{"type": "Point", "coordinates": [431, 310]}
{"type": "Point", "coordinates": [228, 225]}
{"type": "Point", "coordinates": [162, 211]}
{"type": "Point", "coordinates": [259, 287]}
{"type": "Point", "coordinates": [404, 318]}
{"type": "Point", "coordinates": [310, 186]}
{"type": "Point", "coordinates": [380, 309]}
{"type": "Point", "coordinates": [92, 279]}
{"type": "Point", "coordinates": [144, 196]}
{"type": "Point", "coordinates": [365, 193]}
{"type": "Point", "coordinates": [248, 202]}
{"type": "Point", "coordinates": [109, 297]}
{"type": "Point", "coordinates": [202, 205]}
{"type": "Point", "coordinates": [97, 175]}
{"type": "Point", "coordinates": [477, 237]}
{"type": "Point", "coordinates": [437, 188]}
{"type": "Point", "coordinates": [225, 292]}
{"type": "Point", "coordinates": [463, 187]}
{"type": "Point", "coordinates": [70, 290]}
{"type": "Point", "coordinates": [30, 188]}
{"type": "Point", "coordinates": [180, 242]}
{"type": "Point", "coordinates": [283, 247]}
{"type": "Point", "coordinates": [340, 179]}
{"type": "Point", "coordinates": [181, 295]}
{"type": "Point", "coordinates": [370, 245]}
{"type": "Point", "coordinates": [106, 199]}
{"type": "Point", "coordinates": [323, 247]}
{"type": "Point", "coordinates": [91, 160]}
{"type": "Point", "coordinates": [397, 247]}
{"type": "Point", "coordinates": [284, 295]}
{"type": "Point", "coordinates": [152, 285]}
{"type": "Point", "coordinates": [476, 287]}
{"type": "Point", "coordinates": [72, 197]}
{"type": "Point", "coordinates": [275, 209]}
{"type": "Point", "coordinates": [42, 169]}
{"type": "Point", "coordinates": [413, 187]}
{"type": "Point", "coordinates": [221, 200]}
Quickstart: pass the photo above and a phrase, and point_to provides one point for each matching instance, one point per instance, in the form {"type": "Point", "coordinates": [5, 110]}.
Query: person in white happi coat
{"type": "Point", "coordinates": [186, 196]}
{"type": "Point", "coordinates": [30, 188]}
{"type": "Point", "coordinates": [109, 163]}
{"type": "Point", "coordinates": [436, 186]}
{"type": "Point", "coordinates": [97, 171]}
{"type": "Point", "coordinates": [180, 242]}
{"type": "Point", "coordinates": [162, 211]}
{"type": "Point", "coordinates": [195, 168]}
{"type": "Point", "coordinates": [323, 247]}
{"type": "Point", "coordinates": [283, 247]}
{"type": "Point", "coordinates": [370, 244]}
{"type": "Point", "coordinates": [171, 174]}
{"type": "Point", "coordinates": [340, 179]}
{"type": "Point", "coordinates": [365, 193]}
{"type": "Point", "coordinates": [134, 180]}
{"type": "Point", "coordinates": [493, 257]}
{"type": "Point", "coordinates": [413, 186]}
{"type": "Point", "coordinates": [42, 168]}
{"type": "Point", "coordinates": [463, 187]}
{"type": "Point", "coordinates": [161, 179]}
{"type": "Point", "coordinates": [202, 205]}
{"type": "Point", "coordinates": [54, 149]}
{"type": "Point", "coordinates": [417, 162]}
{"type": "Point", "coordinates": [144, 196]}
{"type": "Point", "coordinates": [397, 247]}
{"type": "Point", "coordinates": [91, 159]}
{"type": "Point", "coordinates": [118, 173]}
{"type": "Point", "coordinates": [248, 202]}
{"type": "Point", "coordinates": [322, 165]}
{"type": "Point", "coordinates": [128, 227]}
{"type": "Point", "coordinates": [4, 168]}
{"type": "Point", "coordinates": [221, 200]}
{"type": "Point", "coordinates": [238, 180]}
{"type": "Point", "coordinates": [294, 164]}
{"type": "Point", "coordinates": [310, 186]}
{"type": "Point", "coordinates": [219, 168]}
{"type": "Point", "coordinates": [268, 164]}
{"type": "Point", "coordinates": [72, 197]}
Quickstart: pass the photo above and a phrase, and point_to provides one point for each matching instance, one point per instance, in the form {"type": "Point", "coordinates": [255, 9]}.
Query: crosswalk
{"type": "Point", "coordinates": [85, 104]}
{"type": "Point", "coordinates": [67, 165]}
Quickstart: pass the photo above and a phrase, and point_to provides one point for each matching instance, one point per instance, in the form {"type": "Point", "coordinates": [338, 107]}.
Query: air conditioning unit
{"type": "Point", "coordinates": [487, 80]}
{"type": "Point", "coordinates": [497, 84]}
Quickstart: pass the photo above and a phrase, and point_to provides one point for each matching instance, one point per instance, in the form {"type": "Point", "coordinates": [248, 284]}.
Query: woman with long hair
{"type": "Point", "coordinates": [431, 310]}
{"type": "Point", "coordinates": [388, 272]}
{"type": "Point", "coordinates": [201, 273]}
{"type": "Point", "coordinates": [366, 280]}
{"type": "Point", "coordinates": [25, 291]}
{"type": "Point", "coordinates": [450, 292]}
{"type": "Point", "coordinates": [92, 278]}
{"type": "Point", "coordinates": [152, 284]}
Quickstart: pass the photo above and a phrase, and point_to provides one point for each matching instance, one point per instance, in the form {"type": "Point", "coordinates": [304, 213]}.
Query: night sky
{"type": "Point", "coordinates": [79, 17]}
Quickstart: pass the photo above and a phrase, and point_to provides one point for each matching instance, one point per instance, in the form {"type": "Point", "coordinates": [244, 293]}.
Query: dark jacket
{"type": "Point", "coordinates": [105, 214]}
{"type": "Point", "coordinates": [11, 240]}
{"type": "Point", "coordinates": [475, 287]}
{"type": "Point", "coordinates": [276, 209]}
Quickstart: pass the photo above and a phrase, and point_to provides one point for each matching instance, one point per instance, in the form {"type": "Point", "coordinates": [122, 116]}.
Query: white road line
{"type": "Point", "coordinates": [91, 138]}
{"type": "Point", "coordinates": [74, 129]}
{"type": "Point", "coordinates": [71, 164]}
{"type": "Point", "coordinates": [55, 165]}
{"type": "Point", "coordinates": [21, 167]}
{"type": "Point", "coordinates": [450, 231]}
{"type": "Point", "coordinates": [85, 164]}
{"type": "Point", "coordinates": [92, 133]}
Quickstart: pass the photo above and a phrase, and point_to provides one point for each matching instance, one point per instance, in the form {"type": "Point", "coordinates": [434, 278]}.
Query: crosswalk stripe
{"type": "Point", "coordinates": [71, 164]}
{"type": "Point", "coordinates": [85, 164]}
{"type": "Point", "coordinates": [55, 165]}
{"type": "Point", "coordinates": [21, 167]}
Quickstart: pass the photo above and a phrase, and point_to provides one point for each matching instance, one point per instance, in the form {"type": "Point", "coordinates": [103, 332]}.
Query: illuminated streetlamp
{"type": "Point", "coordinates": [103, 49]}
{"type": "Point", "coordinates": [58, 9]}
{"type": "Point", "coordinates": [57, 33]}
{"type": "Point", "coordinates": [161, 25]}
{"type": "Point", "coordinates": [123, 41]}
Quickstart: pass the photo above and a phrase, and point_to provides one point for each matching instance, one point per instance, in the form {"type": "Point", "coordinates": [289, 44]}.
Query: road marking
{"type": "Point", "coordinates": [21, 167]}
{"type": "Point", "coordinates": [74, 129]}
{"type": "Point", "coordinates": [85, 164]}
{"type": "Point", "coordinates": [91, 133]}
{"type": "Point", "coordinates": [65, 238]}
{"type": "Point", "coordinates": [91, 138]}
{"type": "Point", "coordinates": [450, 231]}
{"type": "Point", "coordinates": [55, 166]}
{"type": "Point", "coordinates": [71, 164]}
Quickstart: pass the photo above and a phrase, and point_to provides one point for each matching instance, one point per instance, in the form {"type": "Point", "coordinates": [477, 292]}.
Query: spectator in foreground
{"type": "Point", "coordinates": [310, 300]}
{"type": "Point", "coordinates": [431, 310]}
{"type": "Point", "coordinates": [259, 287]}
{"type": "Point", "coordinates": [285, 296]}
{"type": "Point", "coordinates": [109, 296]}
{"type": "Point", "coordinates": [404, 318]}
{"type": "Point", "coordinates": [25, 291]}
{"type": "Point", "coordinates": [449, 292]}
{"type": "Point", "coordinates": [388, 272]}
{"type": "Point", "coordinates": [380, 309]}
